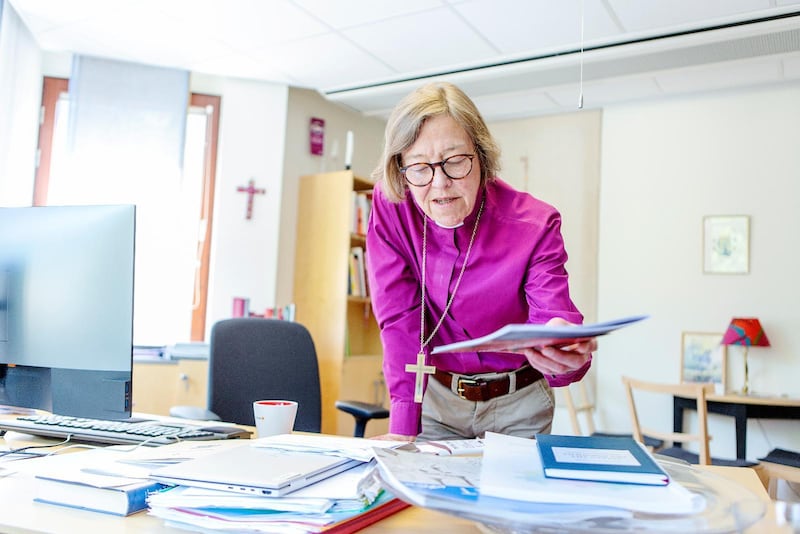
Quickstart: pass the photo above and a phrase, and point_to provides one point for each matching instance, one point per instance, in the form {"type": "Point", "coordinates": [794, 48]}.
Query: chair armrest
{"type": "Point", "coordinates": [362, 410]}
{"type": "Point", "coordinates": [193, 412]}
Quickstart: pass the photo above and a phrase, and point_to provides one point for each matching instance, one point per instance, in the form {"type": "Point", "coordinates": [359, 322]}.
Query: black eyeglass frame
{"type": "Point", "coordinates": [439, 164]}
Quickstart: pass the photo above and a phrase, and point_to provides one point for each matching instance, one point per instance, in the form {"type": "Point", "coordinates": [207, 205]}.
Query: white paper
{"type": "Point", "coordinates": [512, 469]}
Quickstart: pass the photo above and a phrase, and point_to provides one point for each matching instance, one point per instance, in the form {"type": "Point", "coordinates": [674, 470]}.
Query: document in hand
{"type": "Point", "coordinates": [599, 458]}
{"type": "Point", "coordinates": [515, 336]}
{"type": "Point", "coordinates": [512, 469]}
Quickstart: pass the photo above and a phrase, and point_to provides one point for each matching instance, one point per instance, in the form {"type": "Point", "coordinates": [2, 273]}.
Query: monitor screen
{"type": "Point", "coordinates": [66, 309]}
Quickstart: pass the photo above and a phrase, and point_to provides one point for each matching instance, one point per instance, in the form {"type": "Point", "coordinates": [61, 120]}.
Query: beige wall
{"type": "Point", "coordinates": [557, 159]}
{"type": "Point", "coordinates": [304, 104]}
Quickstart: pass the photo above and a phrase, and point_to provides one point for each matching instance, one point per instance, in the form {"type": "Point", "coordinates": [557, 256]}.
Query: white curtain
{"type": "Point", "coordinates": [20, 98]}
{"type": "Point", "coordinates": [125, 145]}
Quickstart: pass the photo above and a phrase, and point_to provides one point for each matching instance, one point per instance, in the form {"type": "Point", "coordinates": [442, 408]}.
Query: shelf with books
{"type": "Point", "coordinates": [341, 323]}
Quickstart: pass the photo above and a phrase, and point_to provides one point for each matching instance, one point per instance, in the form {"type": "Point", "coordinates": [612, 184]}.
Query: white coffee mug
{"type": "Point", "coordinates": [274, 417]}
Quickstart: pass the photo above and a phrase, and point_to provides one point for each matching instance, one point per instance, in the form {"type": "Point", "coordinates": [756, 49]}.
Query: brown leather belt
{"type": "Point", "coordinates": [482, 389]}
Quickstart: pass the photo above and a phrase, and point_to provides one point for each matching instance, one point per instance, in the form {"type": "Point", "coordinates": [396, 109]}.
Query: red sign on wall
{"type": "Point", "coordinates": [316, 136]}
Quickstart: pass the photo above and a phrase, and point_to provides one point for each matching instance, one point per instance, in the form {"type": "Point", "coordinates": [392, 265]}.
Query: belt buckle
{"type": "Point", "coordinates": [464, 381]}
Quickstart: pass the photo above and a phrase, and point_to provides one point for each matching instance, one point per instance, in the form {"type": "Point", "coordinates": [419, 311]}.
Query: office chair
{"type": "Point", "coordinates": [253, 359]}
{"type": "Point", "coordinates": [635, 388]}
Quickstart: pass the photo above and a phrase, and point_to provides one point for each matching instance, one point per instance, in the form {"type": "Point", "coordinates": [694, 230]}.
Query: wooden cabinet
{"type": "Point", "coordinates": [159, 385]}
{"type": "Point", "coordinates": [343, 328]}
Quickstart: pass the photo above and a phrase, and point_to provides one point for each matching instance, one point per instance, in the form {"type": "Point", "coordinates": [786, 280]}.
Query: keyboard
{"type": "Point", "coordinates": [144, 431]}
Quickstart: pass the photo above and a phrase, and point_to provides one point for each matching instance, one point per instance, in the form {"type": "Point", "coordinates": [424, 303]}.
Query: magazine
{"type": "Point", "coordinates": [516, 336]}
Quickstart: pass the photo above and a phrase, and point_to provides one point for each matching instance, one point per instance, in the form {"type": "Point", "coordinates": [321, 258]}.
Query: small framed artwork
{"type": "Point", "coordinates": [726, 244]}
{"type": "Point", "coordinates": [703, 359]}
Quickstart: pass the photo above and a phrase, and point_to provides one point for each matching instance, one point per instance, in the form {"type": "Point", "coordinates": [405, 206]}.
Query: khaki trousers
{"type": "Point", "coordinates": [522, 413]}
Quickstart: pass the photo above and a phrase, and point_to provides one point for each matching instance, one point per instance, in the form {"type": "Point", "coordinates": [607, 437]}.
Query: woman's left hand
{"type": "Point", "coordinates": [560, 360]}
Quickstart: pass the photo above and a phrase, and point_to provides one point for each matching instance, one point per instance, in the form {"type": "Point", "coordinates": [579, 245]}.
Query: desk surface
{"type": "Point", "coordinates": [766, 400]}
{"type": "Point", "coordinates": [18, 512]}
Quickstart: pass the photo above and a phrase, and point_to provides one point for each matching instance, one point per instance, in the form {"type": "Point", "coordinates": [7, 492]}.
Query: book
{"type": "Point", "coordinates": [517, 336]}
{"type": "Point", "coordinates": [98, 493]}
{"type": "Point", "coordinates": [599, 458]}
{"type": "Point", "coordinates": [512, 469]}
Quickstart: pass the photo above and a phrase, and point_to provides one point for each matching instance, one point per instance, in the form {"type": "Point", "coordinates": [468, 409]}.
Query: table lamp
{"type": "Point", "coordinates": [745, 331]}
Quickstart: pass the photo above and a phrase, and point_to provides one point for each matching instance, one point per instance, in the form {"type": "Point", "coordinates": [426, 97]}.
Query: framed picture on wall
{"type": "Point", "coordinates": [726, 244]}
{"type": "Point", "coordinates": [704, 359]}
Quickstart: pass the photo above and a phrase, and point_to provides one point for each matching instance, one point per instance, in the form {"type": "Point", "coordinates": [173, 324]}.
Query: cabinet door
{"type": "Point", "coordinates": [157, 386]}
{"type": "Point", "coordinates": [192, 380]}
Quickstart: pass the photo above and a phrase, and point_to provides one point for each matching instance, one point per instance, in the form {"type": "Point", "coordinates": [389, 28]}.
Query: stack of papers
{"type": "Point", "coordinates": [507, 487]}
{"type": "Point", "coordinates": [122, 480]}
{"type": "Point", "coordinates": [512, 469]}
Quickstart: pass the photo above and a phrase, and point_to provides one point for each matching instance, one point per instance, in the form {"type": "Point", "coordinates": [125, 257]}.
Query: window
{"type": "Point", "coordinates": [180, 270]}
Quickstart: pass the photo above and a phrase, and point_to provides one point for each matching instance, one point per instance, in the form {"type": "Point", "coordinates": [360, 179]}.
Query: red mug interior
{"type": "Point", "coordinates": [275, 403]}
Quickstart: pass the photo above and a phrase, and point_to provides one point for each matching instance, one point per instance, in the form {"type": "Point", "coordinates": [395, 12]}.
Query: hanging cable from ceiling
{"type": "Point", "coordinates": [580, 84]}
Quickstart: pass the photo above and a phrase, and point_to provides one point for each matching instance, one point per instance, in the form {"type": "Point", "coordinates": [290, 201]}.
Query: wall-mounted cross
{"type": "Point", "coordinates": [251, 191]}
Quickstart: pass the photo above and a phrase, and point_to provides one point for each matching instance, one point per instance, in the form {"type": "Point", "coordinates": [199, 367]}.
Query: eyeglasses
{"type": "Point", "coordinates": [454, 167]}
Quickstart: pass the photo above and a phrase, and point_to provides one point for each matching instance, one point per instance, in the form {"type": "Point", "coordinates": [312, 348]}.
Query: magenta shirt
{"type": "Point", "coordinates": [515, 274]}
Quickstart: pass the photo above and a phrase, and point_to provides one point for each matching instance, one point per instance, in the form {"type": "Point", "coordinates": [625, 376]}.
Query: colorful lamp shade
{"type": "Point", "coordinates": [745, 331]}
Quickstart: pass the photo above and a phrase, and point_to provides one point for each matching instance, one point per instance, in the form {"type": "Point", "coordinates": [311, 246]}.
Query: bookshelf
{"type": "Point", "coordinates": [343, 327]}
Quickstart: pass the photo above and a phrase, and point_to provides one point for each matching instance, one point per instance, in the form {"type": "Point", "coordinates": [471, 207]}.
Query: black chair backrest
{"type": "Point", "coordinates": [261, 359]}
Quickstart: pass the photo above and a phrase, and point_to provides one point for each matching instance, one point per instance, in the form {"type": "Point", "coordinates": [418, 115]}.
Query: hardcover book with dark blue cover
{"type": "Point", "coordinates": [599, 458]}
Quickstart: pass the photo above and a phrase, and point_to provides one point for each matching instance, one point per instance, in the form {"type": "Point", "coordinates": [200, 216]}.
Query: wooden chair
{"type": "Point", "coordinates": [634, 388]}
{"type": "Point", "coordinates": [780, 464]}
{"type": "Point", "coordinates": [584, 409]}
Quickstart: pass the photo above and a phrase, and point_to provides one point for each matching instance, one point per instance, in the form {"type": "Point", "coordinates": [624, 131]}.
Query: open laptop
{"type": "Point", "coordinates": [254, 470]}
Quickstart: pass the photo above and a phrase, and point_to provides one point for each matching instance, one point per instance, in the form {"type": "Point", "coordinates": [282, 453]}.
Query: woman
{"type": "Point", "coordinates": [455, 253]}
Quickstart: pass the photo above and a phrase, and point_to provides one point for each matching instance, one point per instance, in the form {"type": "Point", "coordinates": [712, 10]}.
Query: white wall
{"type": "Point", "coordinates": [244, 252]}
{"type": "Point", "coordinates": [666, 164]}
{"type": "Point", "coordinates": [20, 98]}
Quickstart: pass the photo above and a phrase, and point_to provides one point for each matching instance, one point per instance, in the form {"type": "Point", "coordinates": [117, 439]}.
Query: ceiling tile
{"type": "Point", "coordinates": [534, 27]}
{"type": "Point", "coordinates": [638, 15]}
{"type": "Point", "coordinates": [437, 39]}
{"type": "Point", "coordinates": [324, 61]}
{"type": "Point", "coordinates": [340, 14]}
{"type": "Point", "coordinates": [245, 24]}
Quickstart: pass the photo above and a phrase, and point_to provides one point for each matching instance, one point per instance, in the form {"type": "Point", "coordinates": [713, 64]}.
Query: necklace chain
{"type": "Point", "coordinates": [422, 341]}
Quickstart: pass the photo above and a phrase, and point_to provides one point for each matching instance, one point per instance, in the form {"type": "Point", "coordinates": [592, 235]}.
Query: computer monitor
{"type": "Point", "coordinates": [66, 309]}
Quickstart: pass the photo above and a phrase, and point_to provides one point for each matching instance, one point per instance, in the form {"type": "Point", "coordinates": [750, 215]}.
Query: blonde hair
{"type": "Point", "coordinates": [406, 121]}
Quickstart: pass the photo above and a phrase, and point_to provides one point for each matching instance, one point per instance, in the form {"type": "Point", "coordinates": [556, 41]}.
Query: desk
{"type": "Point", "coordinates": [19, 514]}
{"type": "Point", "coordinates": [741, 408]}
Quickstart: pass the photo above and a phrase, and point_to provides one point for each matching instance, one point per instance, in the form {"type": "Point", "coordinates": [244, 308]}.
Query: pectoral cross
{"type": "Point", "coordinates": [251, 191]}
{"type": "Point", "coordinates": [420, 369]}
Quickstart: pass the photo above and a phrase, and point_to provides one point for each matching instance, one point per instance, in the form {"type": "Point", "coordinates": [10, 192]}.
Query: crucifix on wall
{"type": "Point", "coordinates": [251, 191]}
